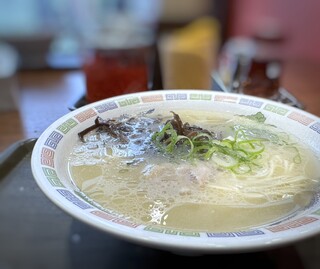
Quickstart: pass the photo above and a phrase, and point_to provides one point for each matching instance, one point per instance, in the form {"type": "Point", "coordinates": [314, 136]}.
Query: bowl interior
{"type": "Point", "coordinates": [51, 173]}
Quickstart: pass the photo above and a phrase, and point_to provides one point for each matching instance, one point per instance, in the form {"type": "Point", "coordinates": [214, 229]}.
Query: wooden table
{"type": "Point", "coordinates": [46, 95]}
{"type": "Point", "coordinates": [43, 97]}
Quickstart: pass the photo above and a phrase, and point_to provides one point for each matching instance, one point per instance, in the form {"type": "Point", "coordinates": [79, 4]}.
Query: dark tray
{"type": "Point", "coordinates": [34, 233]}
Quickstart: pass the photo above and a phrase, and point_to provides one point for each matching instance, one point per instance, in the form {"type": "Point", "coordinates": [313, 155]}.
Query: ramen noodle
{"type": "Point", "coordinates": [222, 173]}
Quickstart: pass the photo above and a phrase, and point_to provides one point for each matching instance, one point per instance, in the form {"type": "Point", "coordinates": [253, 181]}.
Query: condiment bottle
{"type": "Point", "coordinates": [264, 70]}
{"type": "Point", "coordinates": [260, 80]}
{"type": "Point", "coordinates": [118, 55]}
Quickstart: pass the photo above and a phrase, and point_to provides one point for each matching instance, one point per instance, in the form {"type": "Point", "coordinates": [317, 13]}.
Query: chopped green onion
{"type": "Point", "coordinates": [236, 154]}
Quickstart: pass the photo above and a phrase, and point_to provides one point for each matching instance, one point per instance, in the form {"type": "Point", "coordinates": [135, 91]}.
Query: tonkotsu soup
{"type": "Point", "coordinates": [192, 170]}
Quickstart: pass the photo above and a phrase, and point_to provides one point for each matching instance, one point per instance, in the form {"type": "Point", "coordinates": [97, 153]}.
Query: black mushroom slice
{"type": "Point", "coordinates": [112, 127]}
{"type": "Point", "coordinates": [122, 127]}
{"type": "Point", "coordinates": [186, 129]}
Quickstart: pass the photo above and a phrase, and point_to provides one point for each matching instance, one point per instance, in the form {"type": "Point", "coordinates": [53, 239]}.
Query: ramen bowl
{"type": "Point", "coordinates": [52, 174]}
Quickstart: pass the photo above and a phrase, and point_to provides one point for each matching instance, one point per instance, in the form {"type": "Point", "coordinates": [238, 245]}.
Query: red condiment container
{"type": "Point", "coordinates": [117, 58]}
{"type": "Point", "coordinates": [115, 71]}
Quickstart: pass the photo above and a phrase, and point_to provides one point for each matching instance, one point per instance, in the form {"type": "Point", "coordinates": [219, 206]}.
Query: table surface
{"type": "Point", "coordinates": [46, 95]}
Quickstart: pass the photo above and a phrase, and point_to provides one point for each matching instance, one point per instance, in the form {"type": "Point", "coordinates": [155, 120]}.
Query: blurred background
{"type": "Point", "coordinates": [49, 33]}
{"type": "Point", "coordinates": [292, 20]}
{"type": "Point", "coordinates": [195, 43]}
{"type": "Point", "coordinates": [43, 31]}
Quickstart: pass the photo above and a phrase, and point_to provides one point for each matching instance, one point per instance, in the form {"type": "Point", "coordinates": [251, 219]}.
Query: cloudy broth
{"type": "Point", "coordinates": [136, 180]}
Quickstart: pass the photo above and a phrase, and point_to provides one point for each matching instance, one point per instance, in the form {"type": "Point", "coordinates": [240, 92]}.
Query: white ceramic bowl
{"type": "Point", "coordinates": [53, 146]}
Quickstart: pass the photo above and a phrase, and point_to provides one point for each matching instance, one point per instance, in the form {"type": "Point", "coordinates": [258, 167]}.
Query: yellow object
{"type": "Point", "coordinates": [188, 55]}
